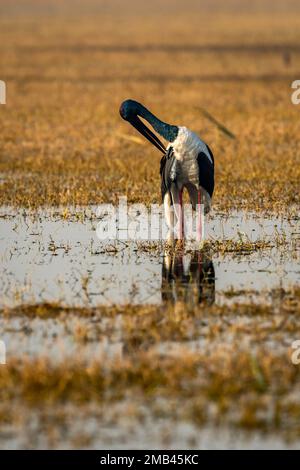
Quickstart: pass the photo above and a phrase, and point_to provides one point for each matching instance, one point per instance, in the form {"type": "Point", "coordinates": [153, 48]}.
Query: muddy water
{"type": "Point", "coordinates": [47, 258]}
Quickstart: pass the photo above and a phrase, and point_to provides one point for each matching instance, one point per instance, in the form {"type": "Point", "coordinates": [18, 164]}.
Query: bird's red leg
{"type": "Point", "coordinates": [181, 221]}
{"type": "Point", "coordinates": [199, 217]}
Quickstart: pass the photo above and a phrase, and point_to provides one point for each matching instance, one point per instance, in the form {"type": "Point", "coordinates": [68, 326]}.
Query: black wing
{"type": "Point", "coordinates": [206, 171]}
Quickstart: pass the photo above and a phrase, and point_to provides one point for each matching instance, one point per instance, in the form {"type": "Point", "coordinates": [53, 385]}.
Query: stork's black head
{"type": "Point", "coordinates": [129, 109]}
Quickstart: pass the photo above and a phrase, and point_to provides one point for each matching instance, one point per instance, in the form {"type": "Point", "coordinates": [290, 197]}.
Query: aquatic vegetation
{"type": "Point", "coordinates": [210, 380]}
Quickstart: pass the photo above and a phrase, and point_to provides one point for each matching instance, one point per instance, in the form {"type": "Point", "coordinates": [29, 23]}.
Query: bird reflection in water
{"type": "Point", "coordinates": [188, 278]}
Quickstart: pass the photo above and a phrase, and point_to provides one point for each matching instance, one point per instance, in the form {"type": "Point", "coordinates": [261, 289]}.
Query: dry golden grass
{"type": "Point", "coordinates": [67, 70]}
{"type": "Point", "coordinates": [240, 374]}
{"type": "Point", "coordinates": [264, 396]}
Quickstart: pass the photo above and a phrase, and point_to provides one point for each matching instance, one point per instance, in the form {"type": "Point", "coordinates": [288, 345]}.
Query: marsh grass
{"type": "Point", "coordinates": [62, 140]}
{"type": "Point", "coordinates": [205, 364]}
{"type": "Point", "coordinates": [262, 397]}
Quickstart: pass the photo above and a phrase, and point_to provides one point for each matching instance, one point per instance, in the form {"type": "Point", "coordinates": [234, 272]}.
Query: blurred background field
{"type": "Point", "coordinates": [68, 65]}
{"type": "Point", "coordinates": [128, 346]}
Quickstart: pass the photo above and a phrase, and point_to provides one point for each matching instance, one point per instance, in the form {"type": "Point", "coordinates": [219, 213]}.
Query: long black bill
{"type": "Point", "coordinates": [140, 126]}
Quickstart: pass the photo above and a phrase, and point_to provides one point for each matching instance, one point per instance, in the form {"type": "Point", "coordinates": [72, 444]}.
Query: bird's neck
{"type": "Point", "coordinates": [167, 131]}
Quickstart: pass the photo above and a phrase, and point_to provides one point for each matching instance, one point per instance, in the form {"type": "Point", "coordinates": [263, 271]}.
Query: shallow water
{"type": "Point", "coordinates": [47, 258]}
{"type": "Point", "coordinates": [86, 429]}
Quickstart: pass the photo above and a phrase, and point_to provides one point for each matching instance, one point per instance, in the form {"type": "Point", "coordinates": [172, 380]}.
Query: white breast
{"type": "Point", "coordinates": [187, 147]}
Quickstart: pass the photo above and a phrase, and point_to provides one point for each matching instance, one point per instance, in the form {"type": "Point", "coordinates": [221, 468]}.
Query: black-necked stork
{"type": "Point", "coordinates": [187, 162]}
